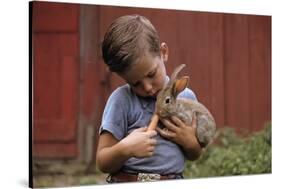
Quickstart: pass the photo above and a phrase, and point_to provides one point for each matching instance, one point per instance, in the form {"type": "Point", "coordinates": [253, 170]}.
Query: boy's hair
{"type": "Point", "coordinates": [126, 39]}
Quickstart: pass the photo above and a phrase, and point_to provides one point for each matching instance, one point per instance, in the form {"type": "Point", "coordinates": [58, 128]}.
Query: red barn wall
{"type": "Point", "coordinates": [228, 59]}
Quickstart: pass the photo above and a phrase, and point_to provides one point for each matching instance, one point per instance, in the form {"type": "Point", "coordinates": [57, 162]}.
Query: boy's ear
{"type": "Point", "coordinates": [164, 50]}
{"type": "Point", "coordinates": [180, 84]}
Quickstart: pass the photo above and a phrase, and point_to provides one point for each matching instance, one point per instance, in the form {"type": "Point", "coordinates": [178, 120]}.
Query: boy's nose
{"type": "Point", "coordinates": [147, 87]}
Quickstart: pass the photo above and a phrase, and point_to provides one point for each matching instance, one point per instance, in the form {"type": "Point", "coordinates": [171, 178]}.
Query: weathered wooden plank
{"type": "Point", "coordinates": [55, 150]}
{"type": "Point", "coordinates": [55, 17]}
{"type": "Point", "coordinates": [236, 69]}
{"type": "Point", "coordinates": [260, 70]}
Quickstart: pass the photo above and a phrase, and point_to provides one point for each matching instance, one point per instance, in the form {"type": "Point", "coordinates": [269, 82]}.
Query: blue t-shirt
{"type": "Point", "coordinates": [125, 112]}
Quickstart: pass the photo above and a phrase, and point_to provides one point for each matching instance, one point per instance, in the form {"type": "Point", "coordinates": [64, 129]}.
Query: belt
{"type": "Point", "coordinates": [140, 177]}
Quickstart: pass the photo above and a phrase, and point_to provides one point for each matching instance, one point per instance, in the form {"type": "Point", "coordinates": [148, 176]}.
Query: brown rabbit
{"type": "Point", "coordinates": [168, 105]}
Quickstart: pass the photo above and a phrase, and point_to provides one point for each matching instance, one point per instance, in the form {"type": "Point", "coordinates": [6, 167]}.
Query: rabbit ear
{"type": "Point", "coordinates": [176, 71]}
{"type": "Point", "coordinates": [180, 84]}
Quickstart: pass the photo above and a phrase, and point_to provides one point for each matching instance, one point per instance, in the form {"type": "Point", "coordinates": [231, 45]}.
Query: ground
{"type": "Point", "coordinates": [58, 174]}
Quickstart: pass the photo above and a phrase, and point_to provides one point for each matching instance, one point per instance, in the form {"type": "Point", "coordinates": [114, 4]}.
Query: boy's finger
{"type": "Point", "coordinates": [141, 129]}
{"type": "Point", "coordinates": [177, 121]}
{"type": "Point", "coordinates": [166, 133]}
{"type": "Point", "coordinates": [151, 133]}
{"type": "Point", "coordinates": [153, 142]}
{"type": "Point", "coordinates": [161, 132]}
{"type": "Point", "coordinates": [169, 125]}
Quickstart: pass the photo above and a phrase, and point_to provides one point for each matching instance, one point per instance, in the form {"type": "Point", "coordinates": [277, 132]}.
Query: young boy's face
{"type": "Point", "coordinates": [147, 75]}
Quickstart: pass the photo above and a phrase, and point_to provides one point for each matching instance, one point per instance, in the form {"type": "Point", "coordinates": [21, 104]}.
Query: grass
{"type": "Point", "coordinates": [234, 155]}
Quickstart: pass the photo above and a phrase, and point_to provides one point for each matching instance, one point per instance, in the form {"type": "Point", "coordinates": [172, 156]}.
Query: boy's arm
{"type": "Point", "coordinates": [112, 154]}
{"type": "Point", "coordinates": [191, 145]}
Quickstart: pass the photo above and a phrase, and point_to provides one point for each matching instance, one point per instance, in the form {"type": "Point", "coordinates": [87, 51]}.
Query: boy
{"type": "Point", "coordinates": [132, 49]}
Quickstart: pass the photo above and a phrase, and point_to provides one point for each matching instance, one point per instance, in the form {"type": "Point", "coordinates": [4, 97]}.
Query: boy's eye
{"type": "Point", "coordinates": [151, 74]}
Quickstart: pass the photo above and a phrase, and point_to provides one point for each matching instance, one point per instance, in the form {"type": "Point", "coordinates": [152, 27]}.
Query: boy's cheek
{"type": "Point", "coordinates": [157, 84]}
{"type": "Point", "coordinates": [160, 81]}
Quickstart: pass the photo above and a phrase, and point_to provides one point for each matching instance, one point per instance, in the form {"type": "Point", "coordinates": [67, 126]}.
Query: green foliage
{"type": "Point", "coordinates": [87, 181]}
{"type": "Point", "coordinates": [234, 155]}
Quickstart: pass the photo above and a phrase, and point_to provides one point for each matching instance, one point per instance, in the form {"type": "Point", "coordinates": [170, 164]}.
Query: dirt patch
{"type": "Point", "coordinates": [68, 180]}
{"type": "Point", "coordinates": [57, 174]}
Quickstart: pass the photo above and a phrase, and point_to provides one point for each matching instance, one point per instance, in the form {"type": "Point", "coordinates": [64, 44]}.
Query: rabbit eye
{"type": "Point", "coordinates": [167, 100]}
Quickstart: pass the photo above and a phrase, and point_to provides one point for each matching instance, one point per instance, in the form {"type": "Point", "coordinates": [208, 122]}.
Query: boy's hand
{"type": "Point", "coordinates": [140, 143]}
{"type": "Point", "coordinates": [180, 133]}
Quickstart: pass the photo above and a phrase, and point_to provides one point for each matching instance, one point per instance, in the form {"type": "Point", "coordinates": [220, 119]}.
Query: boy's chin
{"type": "Point", "coordinates": [155, 94]}
{"type": "Point", "coordinates": [148, 96]}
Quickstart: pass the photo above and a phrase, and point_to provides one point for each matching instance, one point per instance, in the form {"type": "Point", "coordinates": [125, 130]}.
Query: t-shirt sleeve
{"type": "Point", "coordinates": [188, 93]}
{"type": "Point", "coordinates": [114, 119]}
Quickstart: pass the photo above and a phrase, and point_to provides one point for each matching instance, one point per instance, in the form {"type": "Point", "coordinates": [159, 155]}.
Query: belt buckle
{"type": "Point", "coordinates": [142, 177]}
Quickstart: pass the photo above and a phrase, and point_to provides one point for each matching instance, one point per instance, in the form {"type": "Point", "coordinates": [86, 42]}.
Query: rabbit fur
{"type": "Point", "coordinates": [168, 105]}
